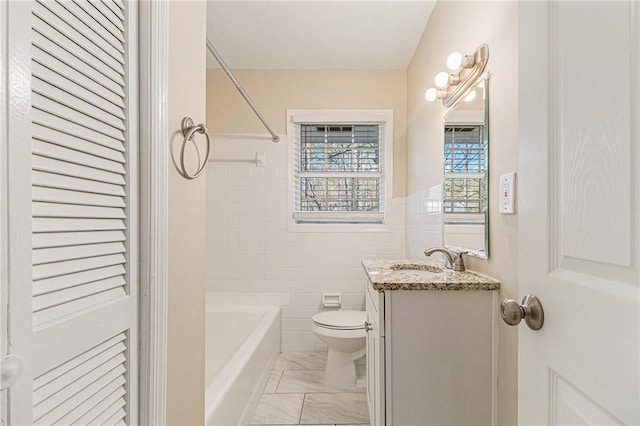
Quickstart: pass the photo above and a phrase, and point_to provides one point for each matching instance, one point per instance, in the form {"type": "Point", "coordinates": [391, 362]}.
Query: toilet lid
{"type": "Point", "coordinates": [345, 320]}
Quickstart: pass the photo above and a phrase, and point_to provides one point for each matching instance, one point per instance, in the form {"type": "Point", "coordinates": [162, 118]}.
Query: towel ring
{"type": "Point", "coordinates": [189, 130]}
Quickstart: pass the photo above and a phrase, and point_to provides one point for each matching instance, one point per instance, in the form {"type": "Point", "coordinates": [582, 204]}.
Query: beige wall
{"type": "Point", "coordinates": [185, 357]}
{"type": "Point", "coordinates": [462, 26]}
{"type": "Point", "coordinates": [275, 91]}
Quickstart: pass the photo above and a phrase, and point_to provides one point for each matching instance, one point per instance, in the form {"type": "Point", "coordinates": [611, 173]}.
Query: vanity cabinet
{"type": "Point", "coordinates": [431, 356]}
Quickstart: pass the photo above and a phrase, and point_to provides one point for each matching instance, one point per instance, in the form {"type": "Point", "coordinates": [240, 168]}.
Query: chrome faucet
{"type": "Point", "coordinates": [454, 259]}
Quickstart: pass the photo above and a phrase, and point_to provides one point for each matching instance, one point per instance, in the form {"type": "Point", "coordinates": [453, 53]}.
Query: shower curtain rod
{"type": "Point", "coordinates": [214, 52]}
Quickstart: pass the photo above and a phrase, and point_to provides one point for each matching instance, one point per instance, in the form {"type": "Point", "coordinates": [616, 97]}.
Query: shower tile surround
{"type": "Point", "coordinates": [253, 257]}
{"type": "Point", "coordinates": [295, 395]}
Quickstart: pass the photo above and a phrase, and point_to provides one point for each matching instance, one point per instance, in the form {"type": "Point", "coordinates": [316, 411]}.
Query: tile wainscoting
{"type": "Point", "coordinates": [423, 221]}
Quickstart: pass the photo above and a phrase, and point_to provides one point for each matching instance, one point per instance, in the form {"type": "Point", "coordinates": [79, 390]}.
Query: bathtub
{"type": "Point", "coordinates": [242, 344]}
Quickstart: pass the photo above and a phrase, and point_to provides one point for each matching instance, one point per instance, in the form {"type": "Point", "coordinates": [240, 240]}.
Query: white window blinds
{"type": "Point", "coordinates": [464, 169]}
{"type": "Point", "coordinates": [339, 171]}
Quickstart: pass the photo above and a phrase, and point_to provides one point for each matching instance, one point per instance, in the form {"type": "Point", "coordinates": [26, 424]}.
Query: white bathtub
{"type": "Point", "coordinates": [242, 344]}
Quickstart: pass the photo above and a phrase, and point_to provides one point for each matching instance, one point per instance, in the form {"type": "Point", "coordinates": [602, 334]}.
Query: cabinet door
{"type": "Point", "coordinates": [375, 360]}
{"type": "Point", "coordinates": [378, 376]}
{"type": "Point", "coordinates": [371, 363]}
{"type": "Point", "coordinates": [379, 366]}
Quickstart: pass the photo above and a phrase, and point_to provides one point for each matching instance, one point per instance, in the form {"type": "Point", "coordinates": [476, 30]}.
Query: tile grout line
{"type": "Point", "coordinates": [279, 380]}
{"type": "Point", "coordinates": [305, 394]}
{"type": "Point", "coordinates": [304, 398]}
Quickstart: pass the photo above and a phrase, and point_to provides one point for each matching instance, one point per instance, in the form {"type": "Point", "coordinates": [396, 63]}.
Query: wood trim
{"type": "Point", "coordinates": [133, 101]}
{"type": "Point", "coordinates": [154, 193]}
{"type": "Point", "coordinates": [4, 263]}
{"type": "Point", "coordinates": [4, 242]}
{"type": "Point", "coordinates": [19, 207]}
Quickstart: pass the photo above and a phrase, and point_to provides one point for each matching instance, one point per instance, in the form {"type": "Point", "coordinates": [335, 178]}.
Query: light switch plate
{"type": "Point", "coordinates": [508, 193]}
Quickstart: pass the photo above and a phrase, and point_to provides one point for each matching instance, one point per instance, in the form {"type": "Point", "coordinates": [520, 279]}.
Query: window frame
{"type": "Point", "coordinates": [296, 117]}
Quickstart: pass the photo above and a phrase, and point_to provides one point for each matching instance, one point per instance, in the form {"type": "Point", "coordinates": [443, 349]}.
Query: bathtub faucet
{"type": "Point", "coordinates": [453, 259]}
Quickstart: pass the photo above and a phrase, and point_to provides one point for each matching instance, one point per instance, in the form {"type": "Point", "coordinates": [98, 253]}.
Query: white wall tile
{"type": "Point", "coordinates": [255, 259]}
{"type": "Point", "coordinates": [423, 221]}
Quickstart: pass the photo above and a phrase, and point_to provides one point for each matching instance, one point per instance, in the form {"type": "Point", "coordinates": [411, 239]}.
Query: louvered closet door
{"type": "Point", "coordinates": [73, 176]}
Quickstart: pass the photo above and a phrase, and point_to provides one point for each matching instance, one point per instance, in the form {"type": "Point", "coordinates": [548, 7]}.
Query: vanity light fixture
{"type": "Point", "coordinates": [465, 71]}
{"type": "Point", "coordinates": [454, 61]}
{"type": "Point", "coordinates": [470, 96]}
{"type": "Point", "coordinates": [441, 80]}
{"type": "Point", "coordinates": [432, 94]}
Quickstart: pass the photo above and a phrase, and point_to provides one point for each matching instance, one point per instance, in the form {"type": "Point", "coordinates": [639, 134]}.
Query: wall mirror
{"type": "Point", "coordinates": [466, 172]}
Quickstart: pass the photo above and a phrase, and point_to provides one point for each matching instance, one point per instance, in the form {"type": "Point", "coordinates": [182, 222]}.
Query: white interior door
{"type": "Point", "coordinates": [72, 187]}
{"type": "Point", "coordinates": [579, 110]}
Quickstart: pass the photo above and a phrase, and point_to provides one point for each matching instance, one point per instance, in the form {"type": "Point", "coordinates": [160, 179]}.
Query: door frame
{"type": "Point", "coordinates": [153, 183]}
{"type": "Point", "coordinates": [154, 209]}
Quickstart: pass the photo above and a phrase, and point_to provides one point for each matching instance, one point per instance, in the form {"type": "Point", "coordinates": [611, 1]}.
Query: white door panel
{"type": "Point", "coordinates": [72, 211]}
{"type": "Point", "coordinates": [579, 253]}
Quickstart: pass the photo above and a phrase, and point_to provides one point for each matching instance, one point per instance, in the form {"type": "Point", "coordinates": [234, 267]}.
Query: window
{"type": "Point", "coordinates": [464, 170]}
{"type": "Point", "coordinates": [339, 161]}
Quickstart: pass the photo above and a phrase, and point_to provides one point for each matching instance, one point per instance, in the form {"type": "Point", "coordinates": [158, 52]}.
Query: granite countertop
{"type": "Point", "coordinates": [423, 275]}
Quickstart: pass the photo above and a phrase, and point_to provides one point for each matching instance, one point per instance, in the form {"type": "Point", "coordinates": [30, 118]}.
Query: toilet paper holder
{"type": "Point", "coordinates": [331, 300]}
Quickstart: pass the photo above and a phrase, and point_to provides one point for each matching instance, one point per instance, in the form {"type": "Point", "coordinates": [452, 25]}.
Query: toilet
{"type": "Point", "coordinates": [344, 334]}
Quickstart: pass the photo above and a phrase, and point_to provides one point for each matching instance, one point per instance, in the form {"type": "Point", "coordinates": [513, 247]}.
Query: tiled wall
{"type": "Point", "coordinates": [423, 221]}
{"type": "Point", "coordinates": [253, 258]}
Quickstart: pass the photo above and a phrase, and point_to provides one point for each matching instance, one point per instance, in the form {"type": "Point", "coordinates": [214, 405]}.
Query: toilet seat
{"type": "Point", "coordinates": [340, 320]}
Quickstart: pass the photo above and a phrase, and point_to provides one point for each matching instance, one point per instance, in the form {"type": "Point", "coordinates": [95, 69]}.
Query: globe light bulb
{"type": "Point", "coordinates": [454, 61]}
{"type": "Point", "coordinates": [431, 94]}
{"type": "Point", "coordinates": [470, 97]}
{"type": "Point", "coordinates": [441, 79]}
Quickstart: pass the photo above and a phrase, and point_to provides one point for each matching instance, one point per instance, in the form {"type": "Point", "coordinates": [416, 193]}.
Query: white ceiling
{"type": "Point", "coordinates": [366, 34]}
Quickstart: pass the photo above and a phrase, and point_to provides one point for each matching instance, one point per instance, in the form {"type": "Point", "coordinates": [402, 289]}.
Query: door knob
{"type": "Point", "coordinates": [10, 369]}
{"type": "Point", "coordinates": [531, 310]}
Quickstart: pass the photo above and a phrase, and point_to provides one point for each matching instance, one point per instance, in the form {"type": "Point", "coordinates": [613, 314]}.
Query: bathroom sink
{"type": "Point", "coordinates": [416, 267]}
{"type": "Point", "coordinates": [408, 274]}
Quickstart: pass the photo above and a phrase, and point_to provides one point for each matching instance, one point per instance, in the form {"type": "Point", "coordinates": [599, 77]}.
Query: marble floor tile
{"type": "Point", "coordinates": [334, 408]}
{"type": "Point", "coordinates": [274, 409]}
{"type": "Point", "coordinates": [302, 361]}
{"type": "Point", "coordinates": [272, 383]}
{"type": "Point", "coordinates": [303, 381]}
{"type": "Point", "coordinates": [295, 394]}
